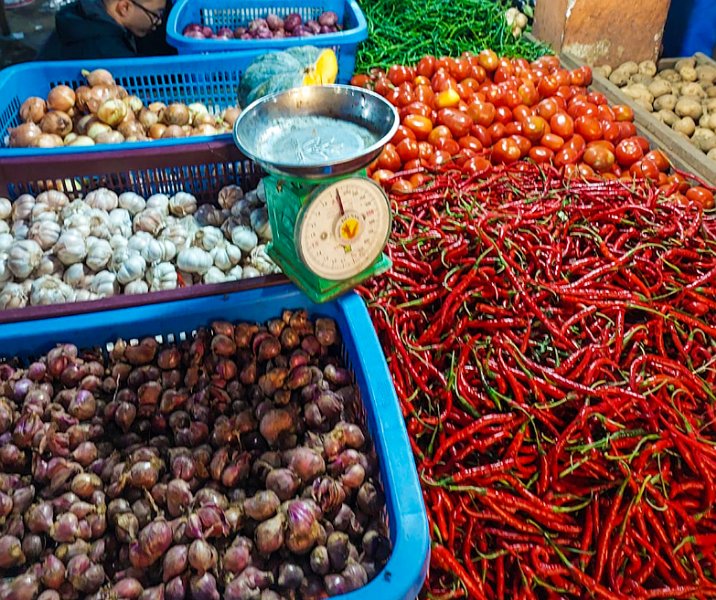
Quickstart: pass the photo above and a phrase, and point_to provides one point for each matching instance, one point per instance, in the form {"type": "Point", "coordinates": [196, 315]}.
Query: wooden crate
{"type": "Point", "coordinates": [701, 59]}
{"type": "Point", "coordinates": [683, 155]}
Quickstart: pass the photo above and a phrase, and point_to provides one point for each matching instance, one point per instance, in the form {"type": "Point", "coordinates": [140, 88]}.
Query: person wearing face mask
{"type": "Point", "coordinates": [104, 29]}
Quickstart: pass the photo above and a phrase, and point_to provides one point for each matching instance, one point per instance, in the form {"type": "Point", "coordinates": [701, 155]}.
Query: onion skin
{"type": "Point", "coordinates": [24, 135]}
{"type": "Point", "coordinates": [33, 109]}
{"type": "Point", "coordinates": [61, 97]}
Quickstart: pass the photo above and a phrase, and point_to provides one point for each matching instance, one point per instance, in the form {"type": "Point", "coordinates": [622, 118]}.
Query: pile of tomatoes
{"type": "Point", "coordinates": [479, 109]}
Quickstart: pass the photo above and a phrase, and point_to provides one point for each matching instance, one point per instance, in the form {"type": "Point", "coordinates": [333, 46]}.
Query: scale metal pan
{"type": "Point", "coordinates": [316, 132]}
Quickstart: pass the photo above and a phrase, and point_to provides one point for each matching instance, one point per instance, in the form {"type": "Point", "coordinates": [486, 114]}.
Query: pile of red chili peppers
{"type": "Point", "coordinates": [553, 346]}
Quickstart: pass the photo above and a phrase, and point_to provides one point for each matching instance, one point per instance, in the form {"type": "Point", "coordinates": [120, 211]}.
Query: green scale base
{"type": "Point", "coordinates": [285, 197]}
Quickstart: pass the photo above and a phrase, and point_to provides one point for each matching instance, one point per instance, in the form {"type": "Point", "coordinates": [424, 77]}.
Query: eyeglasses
{"type": "Point", "coordinates": [154, 17]}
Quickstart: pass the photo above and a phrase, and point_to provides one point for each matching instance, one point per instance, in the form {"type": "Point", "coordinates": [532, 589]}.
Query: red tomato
{"type": "Point", "coordinates": [627, 129]}
{"type": "Point", "coordinates": [597, 98]}
{"type": "Point", "coordinates": [506, 151]}
{"type": "Point", "coordinates": [548, 86]}
{"type": "Point", "coordinates": [547, 108]}
{"type": "Point", "coordinates": [511, 98]}
{"type": "Point", "coordinates": [581, 76]}
{"type": "Point", "coordinates": [482, 134]}
{"type": "Point", "coordinates": [401, 186]}
{"type": "Point", "coordinates": [488, 60]}
{"type": "Point", "coordinates": [405, 94]}
{"type": "Point", "coordinates": [441, 131]}
{"type": "Point", "coordinates": [470, 142]}
{"type": "Point", "coordinates": [521, 112]}
{"type": "Point", "coordinates": [586, 171]}
{"type": "Point", "coordinates": [577, 143]}
{"type": "Point", "coordinates": [679, 183]}
{"type": "Point", "coordinates": [382, 175]}
{"type": "Point", "coordinates": [402, 133]}
{"type": "Point", "coordinates": [522, 143]}
{"type": "Point", "coordinates": [660, 159]}
{"type": "Point", "coordinates": [562, 125]}
{"type": "Point", "coordinates": [456, 120]}
{"type": "Point", "coordinates": [361, 80]}
{"type": "Point", "coordinates": [449, 145]}
{"type": "Point", "coordinates": [419, 125]}
{"type": "Point", "coordinates": [494, 94]}
{"type": "Point", "coordinates": [426, 150]}
{"type": "Point", "coordinates": [611, 131]}
{"type": "Point", "coordinates": [599, 157]}
{"type": "Point", "coordinates": [503, 115]}
{"type": "Point", "coordinates": [513, 128]}
{"type": "Point", "coordinates": [407, 150]}
{"type": "Point", "coordinates": [541, 154]}
{"type": "Point", "coordinates": [643, 142]}
{"type": "Point", "coordinates": [460, 69]}
{"type": "Point", "coordinates": [701, 195]}
{"type": "Point", "coordinates": [605, 113]}
{"type": "Point", "coordinates": [415, 108]}
{"type": "Point", "coordinates": [389, 158]}
{"type": "Point", "coordinates": [421, 80]}
{"type": "Point", "coordinates": [441, 80]}
{"type": "Point", "coordinates": [645, 169]}
{"type": "Point", "coordinates": [418, 179]}
{"type": "Point", "coordinates": [477, 165]}
{"type": "Point", "coordinates": [552, 141]}
{"type": "Point", "coordinates": [534, 128]}
{"type": "Point", "coordinates": [566, 156]}
{"type": "Point", "coordinates": [628, 151]}
{"type": "Point", "coordinates": [528, 93]}
{"type": "Point", "coordinates": [424, 93]}
{"type": "Point", "coordinates": [478, 73]}
{"type": "Point", "coordinates": [482, 113]}
{"type": "Point", "coordinates": [413, 164]}
{"type": "Point", "coordinates": [623, 112]}
{"type": "Point", "coordinates": [496, 131]}
{"type": "Point", "coordinates": [439, 158]}
{"type": "Point", "coordinates": [588, 127]}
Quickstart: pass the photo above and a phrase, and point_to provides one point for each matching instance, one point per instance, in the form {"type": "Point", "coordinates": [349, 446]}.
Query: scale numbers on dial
{"type": "Point", "coordinates": [343, 228]}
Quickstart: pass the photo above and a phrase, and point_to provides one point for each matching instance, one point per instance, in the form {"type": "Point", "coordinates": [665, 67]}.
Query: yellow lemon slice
{"type": "Point", "coordinates": [324, 70]}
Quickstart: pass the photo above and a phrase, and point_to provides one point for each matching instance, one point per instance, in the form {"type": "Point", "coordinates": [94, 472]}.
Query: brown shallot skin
{"type": "Point", "coordinates": [229, 465]}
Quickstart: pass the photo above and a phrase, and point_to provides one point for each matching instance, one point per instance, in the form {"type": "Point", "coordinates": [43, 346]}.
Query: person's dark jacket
{"type": "Point", "coordinates": [84, 30]}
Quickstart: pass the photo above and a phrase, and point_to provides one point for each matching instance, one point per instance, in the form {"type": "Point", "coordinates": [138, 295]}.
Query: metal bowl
{"type": "Point", "coordinates": [316, 132]}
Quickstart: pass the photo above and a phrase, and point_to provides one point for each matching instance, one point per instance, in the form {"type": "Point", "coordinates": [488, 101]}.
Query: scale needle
{"type": "Point", "coordinates": [340, 203]}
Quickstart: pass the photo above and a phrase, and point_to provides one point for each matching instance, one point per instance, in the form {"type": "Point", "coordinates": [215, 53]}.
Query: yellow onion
{"type": "Point", "coordinates": [148, 117]}
{"type": "Point", "coordinates": [98, 77]}
{"type": "Point", "coordinates": [100, 94]}
{"type": "Point", "coordinates": [176, 114]}
{"type": "Point", "coordinates": [187, 129]}
{"type": "Point", "coordinates": [61, 97]}
{"type": "Point", "coordinates": [134, 103]}
{"type": "Point", "coordinates": [82, 140]}
{"type": "Point", "coordinates": [122, 93]}
{"type": "Point", "coordinates": [84, 122]}
{"type": "Point", "coordinates": [69, 138]}
{"type": "Point", "coordinates": [83, 94]}
{"type": "Point", "coordinates": [109, 137]}
{"type": "Point", "coordinates": [48, 140]}
{"type": "Point", "coordinates": [157, 130]}
{"type": "Point", "coordinates": [56, 121]}
{"type": "Point", "coordinates": [203, 119]}
{"type": "Point", "coordinates": [33, 109]}
{"type": "Point", "coordinates": [24, 135]}
{"type": "Point", "coordinates": [231, 114]}
{"type": "Point", "coordinates": [96, 128]}
{"type": "Point", "coordinates": [196, 108]}
{"type": "Point", "coordinates": [112, 112]}
{"type": "Point", "coordinates": [205, 129]}
{"type": "Point", "coordinates": [131, 129]}
{"type": "Point", "coordinates": [173, 131]}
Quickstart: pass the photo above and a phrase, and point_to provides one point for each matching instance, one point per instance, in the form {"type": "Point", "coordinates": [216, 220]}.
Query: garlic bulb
{"type": "Point", "coordinates": [214, 275]}
{"type": "Point", "coordinates": [5, 272]}
{"type": "Point", "coordinates": [22, 207]}
{"type": "Point", "coordinates": [85, 295]}
{"type": "Point", "coordinates": [177, 233]}
{"type": "Point", "coordinates": [118, 241]}
{"type": "Point", "coordinates": [208, 237]}
{"type": "Point", "coordinates": [49, 265]}
{"type": "Point", "coordinates": [120, 222]}
{"type": "Point", "coordinates": [162, 276]}
{"type": "Point", "coordinates": [76, 276]}
{"type": "Point", "coordinates": [207, 214]}
{"type": "Point", "coordinates": [194, 260]}
{"type": "Point", "coordinates": [104, 284]}
{"type": "Point", "coordinates": [119, 255]}
{"type": "Point", "coordinates": [182, 204]}
{"type": "Point", "coordinates": [259, 259]}
{"type": "Point", "coordinates": [20, 229]}
{"type": "Point", "coordinates": [12, 296]}
{"type": "Point", "coordinates": [70, 247]}
{"type": "Point", "coordinates": [99, 223]}
{"type": "Point", "coordinates": [260, 223]}
{"type": "Point", "coordinates": [139, 241]}
{"type": "Point", "coordinates": [48, 289]}
{"type": "Point", "coordinates": [23, 257]}
{"type": "Point", "coordinates": [153, 251]}
{"type": "Point", "coordinates": [149, 220]}
{"type": "Point", "coordinates": [132, 202]}
{"type": "Point", "coordinates": [159, 202]}
{"type": "Point", "coordinates": [245, 238]}
{"type": "Point", "coordinates": [40, 211]}
{"type": "Point", "coordinates": [75, 207]}
{"type": "Point", "coordinates": [138, 286]}
{"type": "Point", "coordinates": [80, 222]}
{"type": "Point", "coordinates": [169, 250]}
{"type": "Point", "coordinates": [249, 272]}
{"type": "Point", "coordinates": [4, 227]}
{"type": "Point", "coordinates": [98, 254]}
{"type": "Point", "coordinates": [45, 233]}
{"type": "Point", "coordinates": [234, 274]}
{"type": "Point", "coordinates": [5, 208]}
{"type": "Point", "coordinates": [230, 195]}
{"type": "Point", "coordinates": [6, 240]}
{"type": "Point", "coordinates": [226, 256]}
{"type": "Point", "coordinates": [56, 199]}
{"type": "Point", "coordinates": [132, 268]}
{"type": "Point", "coordinates": [45, 215]}
{"type": "Point", "coordinates": [102, 199]}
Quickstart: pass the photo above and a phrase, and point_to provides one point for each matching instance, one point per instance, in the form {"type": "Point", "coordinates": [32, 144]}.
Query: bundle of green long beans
{"type": "Point", "coordinates": [403, 31]}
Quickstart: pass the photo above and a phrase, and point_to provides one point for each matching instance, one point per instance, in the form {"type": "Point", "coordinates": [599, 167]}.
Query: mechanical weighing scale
{"type": "Point", "coordinates": [329, 221]}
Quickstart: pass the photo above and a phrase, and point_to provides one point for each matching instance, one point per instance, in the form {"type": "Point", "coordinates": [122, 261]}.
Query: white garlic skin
{"type": "Point", "coordinates": [194, 260]}
{"type": "Point", "coordinates": [102, 199]}
{"type": "Point", "coordinates": [182, 204]}
{"type": "Point", "coordinates": [23, 257]}
{"type": "Point", "coordinates": [99, 252]}
{"type": "Point", "coordinates": [70, 247]}
{"type": "Point", "coordinates": [5, 208]}
{"type": "Point", "coordinates": [132, 202]}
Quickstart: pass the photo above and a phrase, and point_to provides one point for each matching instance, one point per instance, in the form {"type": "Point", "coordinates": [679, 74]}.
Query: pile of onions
{"type": "Point", "coordinates": [271, 27]}
{"type": "Point", "coordinates": [103, 112]}
{"type": "Point", "coordinates": [231, 465]}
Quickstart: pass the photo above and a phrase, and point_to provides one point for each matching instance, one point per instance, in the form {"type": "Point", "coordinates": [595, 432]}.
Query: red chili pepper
{"type": "Point", "coordinates": [444, 560]}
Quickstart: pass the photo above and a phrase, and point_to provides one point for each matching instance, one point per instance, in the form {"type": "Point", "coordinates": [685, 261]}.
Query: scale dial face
{"type": "Point", "coordinates": [343, 228]}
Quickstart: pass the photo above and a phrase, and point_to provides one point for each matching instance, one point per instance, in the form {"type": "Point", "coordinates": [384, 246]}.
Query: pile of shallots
{"type": "Point", "coordinates": [231, 465]}
{"type": "Point", "coordinates": [53, 250]}
{"type": "Point", "coordinates": [103, 112]}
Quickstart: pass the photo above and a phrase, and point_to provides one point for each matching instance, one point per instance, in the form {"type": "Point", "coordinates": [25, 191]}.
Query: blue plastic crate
{"type": "Point", "coordinates": [224, 13]}
{"type": "Point", "coordinates": [200, 78]}
{"type": "Point", "coordinates": [405, 571]}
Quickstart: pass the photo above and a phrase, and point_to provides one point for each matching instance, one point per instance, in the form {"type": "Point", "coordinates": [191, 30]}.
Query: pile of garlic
{"type": "Point", "coordinates": [53, 250]}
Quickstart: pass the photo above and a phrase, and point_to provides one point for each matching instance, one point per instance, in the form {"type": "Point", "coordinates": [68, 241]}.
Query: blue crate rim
{"type": "Point", "coordinates": [406, 568]}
